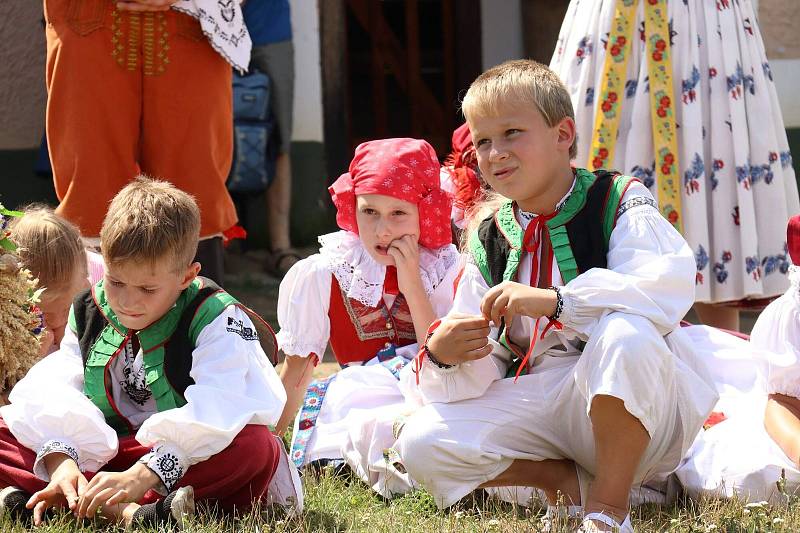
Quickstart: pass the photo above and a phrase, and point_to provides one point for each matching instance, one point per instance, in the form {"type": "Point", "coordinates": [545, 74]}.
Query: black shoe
{"type": "Point", "coordinates": [173, 510]}
{"type": "Point", "coordinates": [12, 501]}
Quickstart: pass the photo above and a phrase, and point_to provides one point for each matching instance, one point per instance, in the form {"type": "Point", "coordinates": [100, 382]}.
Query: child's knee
{"type": "Point", "coordinates": [420, 444]}
{"type": "Point", "coordinates": [255, 446]}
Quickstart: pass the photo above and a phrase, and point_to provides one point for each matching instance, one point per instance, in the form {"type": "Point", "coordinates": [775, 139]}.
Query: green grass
{"type": "Point", "coordinates": [335, 505]}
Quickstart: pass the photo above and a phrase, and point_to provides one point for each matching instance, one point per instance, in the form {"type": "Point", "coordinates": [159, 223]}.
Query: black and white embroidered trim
{"type": "Point", "coordinates": [635, 202]}
{"type": "Point", "coordinates": [237, 326]}
{"type": "Point", "coordinates": [134, 382]}
{"type": "Point", "coordinates": [559, 303]}
{"type": "Point", "coordinates": [57, 446]}
{"type": "Point", "coordinates": [167, 466]}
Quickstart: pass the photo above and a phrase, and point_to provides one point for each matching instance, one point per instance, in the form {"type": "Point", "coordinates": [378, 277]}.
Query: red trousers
{"type": "Point", "coordinates": [135, 93]}
{"type": "Point", "coordinates": [234, 478]}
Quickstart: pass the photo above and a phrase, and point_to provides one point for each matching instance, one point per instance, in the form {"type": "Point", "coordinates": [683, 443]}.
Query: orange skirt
{"type": "Point", "coordinates": [130, 94]}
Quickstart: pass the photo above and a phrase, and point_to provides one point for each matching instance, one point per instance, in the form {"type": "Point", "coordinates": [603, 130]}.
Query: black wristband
{"type": "Point", "coordinates": [433, 359]}
{"type": "Point", "coordinates": [559, 303]}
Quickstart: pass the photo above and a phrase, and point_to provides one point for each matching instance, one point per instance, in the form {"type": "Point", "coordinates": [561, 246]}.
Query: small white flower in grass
{"type": "Point", "coordinates": [494, 522]}
{"type": "Point", "coordinates": [711, 527]}
{"type": "Point", "coordinates": [777, 520]}
{"type": "Point", "coordinates": [459, 514]}
{"type": "Point", "coordinates": [755, 505]}
{"type": "Point", "coordinates": [746, 511]}
{"type": "Point", "coordinates": [674, 521]}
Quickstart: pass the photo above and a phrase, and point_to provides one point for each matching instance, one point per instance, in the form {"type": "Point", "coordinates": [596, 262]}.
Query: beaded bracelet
{"type": "Point", "coordinates": [559, 303]}
{"type": "Point", "coordinates": [428, 352]}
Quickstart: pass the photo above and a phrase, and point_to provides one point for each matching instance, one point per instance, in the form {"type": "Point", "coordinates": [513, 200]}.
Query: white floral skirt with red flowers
{"type": "Point", "coordinates": [738, 186]}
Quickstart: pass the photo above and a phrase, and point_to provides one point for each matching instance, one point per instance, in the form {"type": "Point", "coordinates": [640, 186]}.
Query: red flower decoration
{"type": "Point", "coordinates": [652, 2]}
{"type": "Point", "coordinates": [712, 72]}
{"type": "Point", "coordinates": [615, 50]}
{"type": "Point", "coordinates": [603, 152]}
{"type": "Point", "coordinates": [597, 162]}
{"type": "Point", "coordinates": [579, 53]}
{"type": "Point", "coordinates": [713, 419]}
{"type": "Point", "coordinates": [621, 40]}
{"type": "Point", "coordinates": [606, 106]}
{"type": "Point", "coordinates": [657, 56]}
{"type": "Point", "coordinates": [661, 112]}
{"type": "Point", "coordinates": [672, 217]}
{"type": "Point", "coordinates": [664, 101]}
{"type": "Point", "coordinates": [666, 169]}
{"type": "Point", "coordinates": [661, 45]}
{"type": "Point", "coordinates": [612, 97]}
{"type": "Point", "coordinates": [305, 424]}
{"type": "Point", "coordinates": [669, 158]}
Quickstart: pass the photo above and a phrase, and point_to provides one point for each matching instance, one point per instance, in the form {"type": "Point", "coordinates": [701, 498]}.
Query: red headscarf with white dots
{"type": "Point", "coordinates": [407, 169]}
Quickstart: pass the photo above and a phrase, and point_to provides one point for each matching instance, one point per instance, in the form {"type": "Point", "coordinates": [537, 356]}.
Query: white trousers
{"type": "Point", "coordinates": [451, 449]}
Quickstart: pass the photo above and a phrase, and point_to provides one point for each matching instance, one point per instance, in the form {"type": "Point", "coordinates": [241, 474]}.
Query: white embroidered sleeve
{"type": "Point", "coordinates": [777, 334]}
{"type": "Point", "coordinates": [49, 413]}
{"type": "Point", "coordinates": [303, 303]}
{"type": "Point", "coordinates": [651, 272]}
{"type": "Point", "coordinates": [234, 385]}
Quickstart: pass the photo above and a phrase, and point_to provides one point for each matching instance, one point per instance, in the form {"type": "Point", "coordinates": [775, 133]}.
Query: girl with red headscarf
{"type": "Point", "coordinates": [371, 292]}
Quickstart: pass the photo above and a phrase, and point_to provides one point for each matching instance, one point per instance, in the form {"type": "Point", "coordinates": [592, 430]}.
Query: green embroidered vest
{"type": "Point", "coordinates": [167, 344]}
{"type": "Point", "coordinates": [579, 233]}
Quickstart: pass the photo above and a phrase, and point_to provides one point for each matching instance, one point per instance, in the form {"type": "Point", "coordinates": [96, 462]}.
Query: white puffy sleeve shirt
{"type": "Point", "coordinates": [777, 333]}
{"type": "Point", "coordinates": [650, 273]}
{"type": "Point", "coordinates": [304, 299]}
{"type": "Point", "coordinates": [234, 385]}
{"type": "Point", "coordinates": [48, 412]}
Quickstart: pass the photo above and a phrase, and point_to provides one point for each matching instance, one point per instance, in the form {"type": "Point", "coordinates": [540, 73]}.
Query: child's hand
{"type": "Point", "coordinates": [405, 252]}
{"type": "Point", "coordinates": [67, 482]}
{"type": "Point", "coordinates": [108, 489]}
{"type": "Point", "coordinates": [459, 339]}
{"type": "Point", "coordinates": [46, 343]}
{"type": "Point", "coordinates": [509, 299]}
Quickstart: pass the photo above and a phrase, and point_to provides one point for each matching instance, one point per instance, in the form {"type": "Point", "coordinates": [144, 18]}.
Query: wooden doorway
{"type": "Point", "coordinates": [395, 68]}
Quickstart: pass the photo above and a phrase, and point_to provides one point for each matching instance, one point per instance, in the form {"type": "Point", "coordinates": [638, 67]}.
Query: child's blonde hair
{"type": "Point", "coordinates": [151, 220]}
{"type": "Point", "coordinates": [48, 245]}
{"type": "Point", "coordinates": [520, 82]}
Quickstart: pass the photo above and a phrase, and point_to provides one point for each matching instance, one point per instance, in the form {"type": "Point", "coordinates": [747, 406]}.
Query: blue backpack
{"type": "Point", "coordinates": [254, 142]}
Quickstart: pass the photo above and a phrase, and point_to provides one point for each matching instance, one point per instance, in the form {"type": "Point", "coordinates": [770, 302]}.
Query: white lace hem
{"type": "Point", "coordinates": [361, 277]}
{"type": "Point", "coordinates": [291, 345]}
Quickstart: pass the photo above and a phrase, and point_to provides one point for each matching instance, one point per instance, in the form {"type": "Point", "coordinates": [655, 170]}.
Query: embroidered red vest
{"type": "Point", "coordinates": [358, 331]}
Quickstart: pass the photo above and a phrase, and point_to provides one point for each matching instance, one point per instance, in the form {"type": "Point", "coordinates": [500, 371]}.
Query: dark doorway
{"type": "Point", "coordinates": [395, 68]}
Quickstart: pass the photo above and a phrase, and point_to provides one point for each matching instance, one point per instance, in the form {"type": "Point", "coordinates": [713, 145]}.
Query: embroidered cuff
{"type": "Point", "coordinates": [169, 465]}
{"type": "Point", "coordinates": [567, 306]}
{"type": "Point", "coordinates": [50, 447]}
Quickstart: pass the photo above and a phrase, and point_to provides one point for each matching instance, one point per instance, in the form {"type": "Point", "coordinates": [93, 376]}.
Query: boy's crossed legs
{"type": "Point", "coordinates": [233, 479]}
{"type": "Point", "coordinates": [613, 411]}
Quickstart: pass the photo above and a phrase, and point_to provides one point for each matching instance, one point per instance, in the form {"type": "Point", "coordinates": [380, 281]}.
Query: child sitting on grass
{"type": "Point", "coordinates": [576, 280]}
{"type": "Point", "coordinates": [50, 247]}
{"type": "Point", "coordinates": [371, 292]}
{"type": "Point", "coordinates": [754, 454]}
{"type": "Point", "coordinates": [161, 384]}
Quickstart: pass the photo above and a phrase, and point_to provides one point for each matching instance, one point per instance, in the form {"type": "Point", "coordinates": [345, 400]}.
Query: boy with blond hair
{"type": "Point", "coordinates": [161, 383]}
{"type": "Point", "coordinates": [561, 360]}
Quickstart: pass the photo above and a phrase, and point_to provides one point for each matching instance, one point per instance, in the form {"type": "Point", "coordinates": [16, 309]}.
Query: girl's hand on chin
{"type": "Point", "coordinates": [405, 253]}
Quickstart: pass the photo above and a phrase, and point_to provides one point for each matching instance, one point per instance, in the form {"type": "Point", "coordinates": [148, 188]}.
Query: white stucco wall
{"type": "Point", "coordinates": [307, 71]}
{"type": "Point", "coordinates": [501, 31]}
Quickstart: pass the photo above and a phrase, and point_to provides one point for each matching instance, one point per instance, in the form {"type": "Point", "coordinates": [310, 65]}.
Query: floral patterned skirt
{"type": "Point", "coordinates": [736, 180]}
